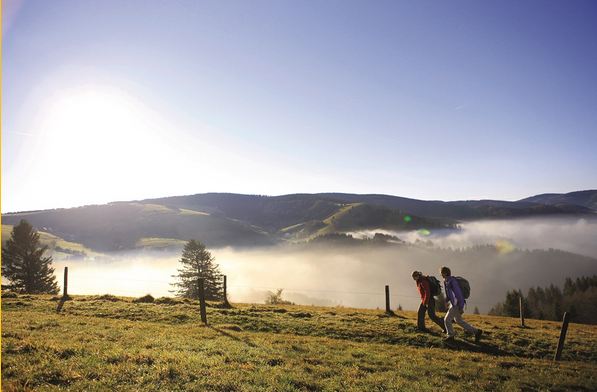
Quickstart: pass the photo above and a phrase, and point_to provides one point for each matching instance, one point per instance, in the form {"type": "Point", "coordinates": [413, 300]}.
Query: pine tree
{"type": "Point", "coordinates": [24, 264]}
{"type": "Point", "coordinates": [511, 304]}
{"type": "Point", "coordinates": [198, 263]}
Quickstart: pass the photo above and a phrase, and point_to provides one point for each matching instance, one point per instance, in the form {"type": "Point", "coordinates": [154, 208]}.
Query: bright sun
{"type": "Point", "coordinates": [98, 139]}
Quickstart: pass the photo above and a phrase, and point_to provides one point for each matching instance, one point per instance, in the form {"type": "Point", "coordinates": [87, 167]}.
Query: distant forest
{"type": "Point", "coordinates": [579, 298]}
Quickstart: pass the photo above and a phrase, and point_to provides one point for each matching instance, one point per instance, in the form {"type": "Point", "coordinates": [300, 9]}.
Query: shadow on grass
{"type": "Point", "coordinates": [391, 313]}
{"type": "Point", "coordinates": [61, 303]}
{"type": "Point", "coordinates": [481, 347]}
{"type": "Point", "coordinates": [236, 338]}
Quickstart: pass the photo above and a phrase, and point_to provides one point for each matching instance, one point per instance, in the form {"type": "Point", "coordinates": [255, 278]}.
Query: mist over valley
{"type": "Point", "coordinates": [352, 269]}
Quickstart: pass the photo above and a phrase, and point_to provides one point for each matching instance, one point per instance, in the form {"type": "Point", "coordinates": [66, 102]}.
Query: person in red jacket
{"type": "Point", "coordinates": [427, 303]}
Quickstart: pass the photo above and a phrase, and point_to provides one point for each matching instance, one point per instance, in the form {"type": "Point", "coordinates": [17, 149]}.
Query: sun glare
{"type": "Point", "coordinates": [92, 123]}
{"type": "Point", "coordinates": [97, 138]}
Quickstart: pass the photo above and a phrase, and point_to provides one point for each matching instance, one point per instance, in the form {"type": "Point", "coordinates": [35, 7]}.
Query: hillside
{"type": "Point", "coordinates": [582, 198]}
{"type": "Point", "coordinates": [59, 247]}
{"type": "Point", "coordinates": [466, 209]}
{"type": "Point", "coordinates": [275, 212]}
{"type": "Point", "coordinates": [225, 220]}
{"type": "Point", "coordinates": [118, 226]}
{"type": "Point", "coordinates": [108, 343]}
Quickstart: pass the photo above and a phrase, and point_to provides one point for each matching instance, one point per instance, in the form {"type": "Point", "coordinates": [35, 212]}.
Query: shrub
{"type": "Point", "coordinates": [168, 301]}
{"type": "Point", "coordinates": [146, 299]}
{"type": "Point", "coordinates": [276, 298]}
{"type": "Point", "coordinates": [107, 297]}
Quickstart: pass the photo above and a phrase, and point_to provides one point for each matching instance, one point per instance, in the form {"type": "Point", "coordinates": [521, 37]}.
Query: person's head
{"type": "Point", "coordinates": [416, 275]}
{"type": "Point", "coordinates": [445, 271]}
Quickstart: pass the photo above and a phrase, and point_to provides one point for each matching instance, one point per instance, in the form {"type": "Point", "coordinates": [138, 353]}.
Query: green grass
{"type": "Point", "coordinates": [153, 242]}
{"type": "Point", "coordinates": [184, 211]}
{"type": "Point", "coordinates": [105, 343]}
{"type": "Point", "coordinates": [153, 208]}
{"type": "Point", "coordinates": [330, 221]}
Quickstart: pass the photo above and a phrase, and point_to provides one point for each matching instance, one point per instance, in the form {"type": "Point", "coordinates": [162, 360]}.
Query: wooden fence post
{"type": "Point", "coordinates": [65, 288]}
{"type": "Point", "coordinates": [521, 311]}
{"type": "Point", "coordinates": [64, 291]}
{"type": "Point", "coordinates": [226, 303]}
{"type": "Point", "coordinates": [562, 337]}
{"type": "Point", "coordinates": [202, 301]}
{"type": "Point", "coordinates": [388, 309]}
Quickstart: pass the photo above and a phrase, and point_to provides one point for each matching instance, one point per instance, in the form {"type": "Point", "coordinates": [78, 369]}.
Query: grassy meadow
{"type": "Point", "coordinates": [102, 343]}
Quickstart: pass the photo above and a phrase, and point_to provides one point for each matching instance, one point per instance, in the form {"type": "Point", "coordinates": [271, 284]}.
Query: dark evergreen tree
{"type": "Point", "coordinates": [198, 263]}
{"type": "Point", "coordinates": [579, 298]}
{"type": "Point", "coordinates": [511, 305]}
{"type": "Point", "coordinates": [24, 264]}
{"type": "Point", "coordinates": [569, 287]}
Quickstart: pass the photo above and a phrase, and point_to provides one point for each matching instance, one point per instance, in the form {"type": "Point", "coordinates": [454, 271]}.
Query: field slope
{"type": "Point", "coordinates": [108, 343]}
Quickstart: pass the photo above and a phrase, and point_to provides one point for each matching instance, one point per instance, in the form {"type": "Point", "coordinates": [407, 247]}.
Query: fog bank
{"type": "Point", "coordinates": [572, 234]}
{"type": "Point", "coordinates": [355, 275]}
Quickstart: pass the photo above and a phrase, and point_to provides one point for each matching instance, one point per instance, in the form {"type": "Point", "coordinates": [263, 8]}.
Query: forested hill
{"type": "Point", "coordinates": [476, 209]}
{"type": "Point", "coordinates": [226, 219]}
{"type": "Point", "coordinates": [229, 220]}
{"type": "Point", "coordinates": [582, 198]}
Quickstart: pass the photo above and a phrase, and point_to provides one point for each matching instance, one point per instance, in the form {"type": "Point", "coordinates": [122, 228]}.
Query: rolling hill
{"type": "Point", "coordinates": [581, 198]}
{"type": "Point", "coordinates": [225, 219]}
{"type": "Point", "coordinates": [118, 226]}
{"type": "Point", "coordinates": [469, 209]}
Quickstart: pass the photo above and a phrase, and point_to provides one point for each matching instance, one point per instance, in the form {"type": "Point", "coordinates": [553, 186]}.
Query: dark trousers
{"type": "Point", "coordinates": [430, 310]}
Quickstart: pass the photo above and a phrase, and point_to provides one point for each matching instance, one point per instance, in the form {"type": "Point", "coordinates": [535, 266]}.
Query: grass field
{"type": "Point", "coordinates": [159, 243]}
{"type": "Point", "coordinates": [109, 343]}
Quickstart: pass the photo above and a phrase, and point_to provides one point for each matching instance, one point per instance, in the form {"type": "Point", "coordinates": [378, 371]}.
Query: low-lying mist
{"type": "Point", "coordinates": [355, 275]}
{"type": "Point", "coordinates": [572, 234]}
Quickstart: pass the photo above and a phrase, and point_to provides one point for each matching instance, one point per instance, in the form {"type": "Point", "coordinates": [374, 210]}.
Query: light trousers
{"type": "Point", "coordinates": [454, 314]}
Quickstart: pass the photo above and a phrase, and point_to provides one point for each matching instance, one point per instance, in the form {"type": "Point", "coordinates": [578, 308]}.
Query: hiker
{"type": "Point", "coordinates": [456, 307]}
{"type": "Point", "coordinates": [425, 285]}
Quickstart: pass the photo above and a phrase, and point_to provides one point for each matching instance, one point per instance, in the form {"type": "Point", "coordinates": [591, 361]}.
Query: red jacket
{"type": "Point", "coordinates": [424, 289]}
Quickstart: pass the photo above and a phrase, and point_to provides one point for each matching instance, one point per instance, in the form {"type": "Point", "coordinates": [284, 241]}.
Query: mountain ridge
{"type": "Point", "coordinates": [228, 219]}
{"type": "Point", "coordinates": [586, 198]}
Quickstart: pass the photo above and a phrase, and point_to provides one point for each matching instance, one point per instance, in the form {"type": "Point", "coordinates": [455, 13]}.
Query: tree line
{"type": "Point", "coordinates": [578, 297]}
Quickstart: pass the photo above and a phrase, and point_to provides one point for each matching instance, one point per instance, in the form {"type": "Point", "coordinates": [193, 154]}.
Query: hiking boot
{"type": "Point", "coordinates": [478, 335]}
{"type": "Point", "coordinates": [449, 339]}
{"type": "Point", "coordinates": [424, 330]}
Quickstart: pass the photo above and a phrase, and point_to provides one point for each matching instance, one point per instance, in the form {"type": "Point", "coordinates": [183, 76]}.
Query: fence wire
{"type": "Point", "coordinates": [295, 290]}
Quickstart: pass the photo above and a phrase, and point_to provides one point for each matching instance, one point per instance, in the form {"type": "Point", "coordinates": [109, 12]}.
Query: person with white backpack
{"type": "Point", "coordinates": [457, 300]}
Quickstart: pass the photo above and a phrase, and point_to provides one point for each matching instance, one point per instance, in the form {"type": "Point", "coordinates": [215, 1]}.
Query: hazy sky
{"type": "Point", "coordinates": [119, 100]}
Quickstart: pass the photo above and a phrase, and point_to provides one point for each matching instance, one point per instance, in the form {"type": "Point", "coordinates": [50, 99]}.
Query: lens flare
{"type": "Point", "coordinates": [407, 218]}
{"type": "Point", "coordinates": [424, 232]}
{"type": "Point", "coordinates": [504, 246]}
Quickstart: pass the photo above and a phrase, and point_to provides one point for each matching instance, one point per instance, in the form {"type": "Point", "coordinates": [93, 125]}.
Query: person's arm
{"type": "Point", "coordinates": [458, 294]}
{"type": "Point", "coordinates": [426, 293]}
{"type": "Point", "coordinates": [421, 292]}
{"type": "Point", "coordinates": [449, 292]}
